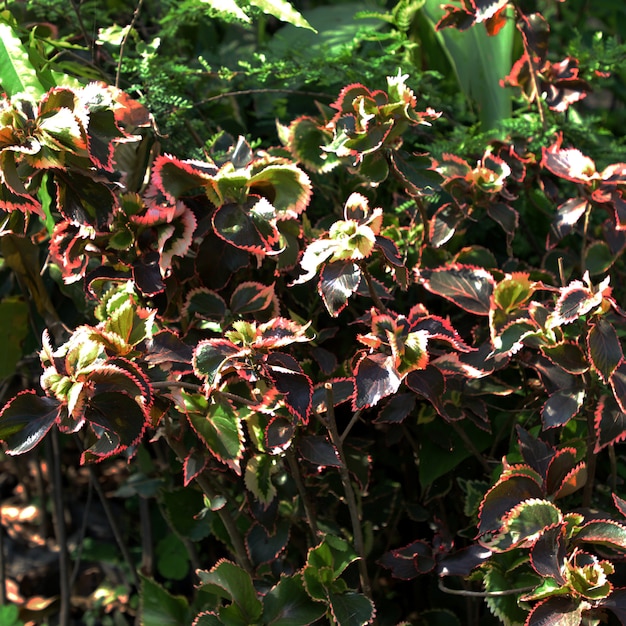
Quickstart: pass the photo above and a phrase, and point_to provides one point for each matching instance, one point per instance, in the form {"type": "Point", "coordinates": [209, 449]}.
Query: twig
{"type": "Point", "coordinates": [483, 594]}
{"type": "Point", "coordinates": [83, 532]}
{"type": "Point", "coordinates": [117, 533]}
{"type": "Point", "coordinates": [124, 40]}
{"type": "Point", "coordinates": [60, 530]}
{"type": "Point", "coordinates": [83, 29]}
{"type": "Point", "coordinates": [3, 580]}
{"type": "Point", "coordinates": [147, 549]}
{"type": "Point", "coordinates": [248, 92]}
{"type": "Point", "coordinates": [590, 460]}
{"type": "Point", "coordinates": [355, 418]}
{"type": "Point", "coordinates": [224, 514]}
{"type": "Point", "coordinates": [372, 290]}
{"type": "Point", "coordinates": [348, 491]}
{"type": "Point", "coordinates": [470, 445]}
{"type": "Point", "coordinates": [295, 473]}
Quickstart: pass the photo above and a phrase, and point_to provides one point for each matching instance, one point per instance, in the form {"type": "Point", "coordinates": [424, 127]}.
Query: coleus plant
{"type": "Point", "coordinates": [199, 340]}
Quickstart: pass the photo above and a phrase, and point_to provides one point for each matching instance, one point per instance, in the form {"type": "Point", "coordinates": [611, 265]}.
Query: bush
{"type": "Point", "coordinates": [365, 367]}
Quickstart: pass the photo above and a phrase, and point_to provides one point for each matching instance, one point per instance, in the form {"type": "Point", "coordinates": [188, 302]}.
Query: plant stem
{"type": "Point", "coordinates": [370, 285]}
{"type": "Point", "coordinates": [59, 526]}
{"type": "Point", "coordinates": [348, 490]}
{"type": "Point", "coordinates": [591, 461]}
{"type": "Point", "coordinates": [124, 40]}
{"type": "Point", "coordinates": [306, 503]}
{"type": "Point", "coordinates": [470, 446]}
{"type": "Point", "coordinates": [224, 514]}
{"type": "Point", "coordinates": [483, 594]}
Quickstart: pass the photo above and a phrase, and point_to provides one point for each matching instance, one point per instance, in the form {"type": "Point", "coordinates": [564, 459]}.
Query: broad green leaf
{"type": "Point", "coordinates": [220, 429]}
{"type": "Point", "coordinates": [160, 608]}
{"type": "Point", "coordinates": [182, 507]}
{"type": "Point", "coordinates": [263, 546]}
{"type": "Point", "coordinates": [351, 609]}
{"type": "Point", "coordinates": [325, 563]}
{"type": "Point", "coordinates": [17, 74]}
{"type": "Point", "coordinates": [171, 557]}
{"type": "Point", "coordinates": [333, 28]}
{"type": "Point", "coordinates": [258, 478]}
{"type": "Point", "coordinates": [227, 7]}
{"type": "Point", "coordinates": [234, 584]}
{"type": "Point", "coordinates": [288, 604]}
{"type": "Point", "coordinates": [479, 61]}
{"type": "Point", "coordinates": [282, 10]}
{"type": "Point", "coordinates": [598, 258]}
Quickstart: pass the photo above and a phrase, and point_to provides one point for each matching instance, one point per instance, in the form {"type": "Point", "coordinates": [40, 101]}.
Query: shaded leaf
{"type": "Point", "coordinates": [468, 287]}
{"type": "Point", "coordinates": [351, 609]}
{"type": "Point", "coordinates": [288, 604]}
{"type": "Point", "coordinates": [25, 420]}
{"type": "Point", "coordinates": [604, 348]}
{"type": "Point", "coordinates": [376, 378]}
{"type": "Point", "coordinates": [338, 281]}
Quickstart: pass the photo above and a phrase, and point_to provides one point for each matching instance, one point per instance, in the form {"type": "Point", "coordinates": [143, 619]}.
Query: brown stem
{"type": "Point", "coordinates": [304, 496]}
{"type": "Point", "coordinates": [348, 491]}
{"type": "Point", "coordinates": [370, 285]}
{"type": "Point", "coordinates": [470, 446]}
{"type": "Point", "coordinates": [591, 461]}
{"type": "Point", "coordinates": [204, 483]}
{"type": "Point", "coordinates": [248, 92]}
{"type": "Point", "coordinates": [124, 40]}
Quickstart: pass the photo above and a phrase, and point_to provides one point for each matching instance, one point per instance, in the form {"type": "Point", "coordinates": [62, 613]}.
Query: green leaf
{"type": "Point", "coordinates": [351, 609]}
{"type": "Point", "coordinates": [288, 604]}
{"type": "Point", "coordinates": [282, 10]}
{"type": "Point", "coordinates": [524, 524]}
{"type": "Point", "coordinates": [479, 61]}
{"type": "Point", "coordinates": [227, 7]}
{"type": "Point", "coordinates": [17, 74]}
{"type": "Point", "coordinates": [231, 582]}
{"type": "Point", "coordinates": [221, 431]}
{"type": "Point", "coordinates": [603, 532]}
{"type": "Point", "coordinates": [182, 507]}
{"type": "Point", "coordinates": [598, 258]}
{"type": "Point", "coordinates": [325, 564]}
{"type": "Point", "coordinates": [172, 559]}
{"type": "Point", "coordinates": [160, 608]}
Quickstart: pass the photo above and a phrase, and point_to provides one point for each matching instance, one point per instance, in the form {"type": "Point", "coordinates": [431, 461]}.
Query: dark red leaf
{"type": "Point", "coordinates": [166, 348]}
{"type": "Point", "coordinates": [620, 504]}
{"type": "Point", "coordinates": [567, 215]}
{"type": "Point", "coordinates": [147, 274]}
{"type": "Point", "coordinates": [292, 382]}
{"type": "Point", "coordinates": [278, 434]}
{"type": "Point", "coordinates": [250, 227]}
{"type": "Point", "coordinates": [609, 423]}
{"type": "Point", "coordinates": [194, 464]}
{"type": "Point", "coordinates": [390, 251]}
{"type": "Point", "coordinates": [444, 223]}
{"type": "Point", "coordinates": [467, 286]}
{"type": "Point", "coordinates": [561, 464]}
{"type": "Point", "coordinates": [562, 406]}
{"type": "Point", "coordinates": [604, 348]}
{"type": "Point", "coordinates": [548, 554]}
{"type": "Point", "coordinates": [616, 603]}
{"type": "Point", "coordinates": [338, 281]}
{"type": "Point", "coordinates": [376, 378]}
{"type": "Point", "coordinates": [318, 450]}
{"type": "Point", "coordinates": [117, 413]}
{"type": "Point", "coordinates": [618, 384]}
{"type": "Point", "coordinates": [568, 356]}
{"type": "Point", "coordinates": [263, 546]}
{"type": "Point", "coordinates": [556, 611]}
{"type": "Point", "coordinates": [410, 561]}
{"type": "Point", "coordinates": [462, 562]}
{"type": "Point", "coordinates": [25, 420]}
{"type": "Point", "coordinates": [535, 452]}
{"type": "Point", "coordinates": [503, 497]}
{"type": "Point", "coordinates": [396, 409]}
